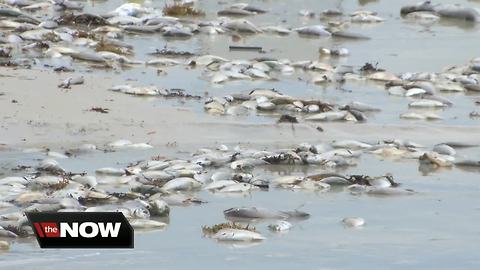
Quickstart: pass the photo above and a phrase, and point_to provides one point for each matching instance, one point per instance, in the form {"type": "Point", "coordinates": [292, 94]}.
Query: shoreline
{"type": "Point", "coordinates": [55, 117]}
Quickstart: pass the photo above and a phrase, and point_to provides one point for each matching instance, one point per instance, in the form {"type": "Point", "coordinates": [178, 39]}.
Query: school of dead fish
{"type": "Point", "coordinates": [146, 190]}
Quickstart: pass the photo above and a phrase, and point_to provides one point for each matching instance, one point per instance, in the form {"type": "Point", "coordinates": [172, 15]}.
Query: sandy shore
{"type": "Point", "coordinates": [35, 112]}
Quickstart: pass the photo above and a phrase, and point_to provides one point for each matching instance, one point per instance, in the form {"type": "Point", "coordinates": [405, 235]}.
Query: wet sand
{"type": "Point", "coordinates": [45, 115]}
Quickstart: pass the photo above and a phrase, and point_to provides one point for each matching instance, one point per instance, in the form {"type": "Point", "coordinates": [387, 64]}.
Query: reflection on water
{"type": "Point", "coordinates": [434, 228]}
{"type": "Point", "coordinates": [431, 228]}
{"type": "Point", "coordinates": [398, 45]}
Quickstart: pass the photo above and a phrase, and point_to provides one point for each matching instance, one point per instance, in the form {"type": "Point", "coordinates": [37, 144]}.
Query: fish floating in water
{"type": "Point", "coordinates": [150, 187]}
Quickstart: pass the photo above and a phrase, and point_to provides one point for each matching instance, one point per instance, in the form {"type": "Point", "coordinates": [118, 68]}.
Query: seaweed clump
{"type": "Point", "coordinates": [217, 227]}
{"type": "Point", "coordinates": [179, 9]}
{"type": "Point", "coordinates": [60, 185]}
{"type": "Point", "coordinates": [369, 67]}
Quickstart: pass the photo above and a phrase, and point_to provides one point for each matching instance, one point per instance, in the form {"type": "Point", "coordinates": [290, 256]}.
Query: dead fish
{"type": "Point", "coordinates": [420, 116]}
{"type": "Point", "coordinates": [85, 180]}
{"type": "Point", "coordinates": [46, 180]}
{"type": "Point", "coordinates": [468, 163]}
{"type": "Point", "coordinates": [329, 116]}
{"type": "Point", "coordinates": [397, 91]}
{"type": "Point", "coordinates": [313, 30]}
{"type": "Point", "coordinates": [65, 4]}
{"type": "Point", "coordinates": [388, 191]}
{"type": "Point", "coordinates": [266, 106]}
{"type": "Point", "coordinates": [332, 12]}
{"type": "Point", "coordinates": [351, 144]}
{"type": "Point", "coordinates": [353, 222]}
{"type": "Point", "coordinates": [48, 24]}
{"type": "Point", "coordinates": [415, 92]}
{"type": "Point", "coordinates": [6, 234]}
{"type": "Point", "coordinates": [349, 35]}
{"type": "Point", "coordinates": [448, 86]}
{"type": "Point", "coordinates": [147, 224]}
{"type": "Point", "coordinates": [235, 12]}
{"type": "Point", "coordinates": [359, 116]}
{"type": "Point", "coordinates": [142, 28]}
{"type": "Point", "coordinates": [228, 234]}
{"type": "Point", "coordinates": [422, 6]}
{"type": "Point", "coordinates": [436, 159]}
{"type": "Point", "coordinates": [219, 184]}
{"type": "Point", "coordinates": [426, 104]}
{"type": "Point", "coordinates": [359, 106]}
{"type": "Point", "coordinates": [380, 182]}
{"type": "Point", "coordinates": [288, 180]}
{"type": "Point", "coordinates": [87, 56]}
{"type": "Point", "coordinates": [422, 16]}
{"type": "Point", "coordinates": [308, 184]}
{"type": "Point", "coordinates": [248, 7]}
{"type": "Point", "coordinates": [306, 13]}
{"type": "Point", "coordinates": [253, 213]}
{"type": "Point", "coordinates": [206, 60]}
{"type": "Point", "coordinates": [296, 215]}
{"type": "Point", "coordinates": [458, 12]}
{"type": "Point", "coordinates": [50, 165]}
{"type": "Point", "coordinates": [5, 11]}
{"type": "Point", "coordinates": [71, 81]}
{"type": "Point", "coordinates": [121, 59]}
{"type": "Point", "coordinates": [472, 87]}
{"type": "Point", "coordinates": [30, 197]}
{"type": "Point", "coordinates": [129, 9]}
{"type": "Point", "coordinates": [383, 76]}
{"type": "Point", "coordinates": [269, 93]}
{"type": "Point", "coordinates": [40, 35]}
{"type": "Point", "coordinates": [163, 62]}
{"type": "Point", "coordinates": [158, 208]}
{"type": "Point", "coordinates": [237, 188]}
{"type": "Point", "coordinates": [280, 226]}
{"type": "Point", "coordinates": [334, 52]}
{"type": "Point", "coordinates": [14, 180]}
{"type": "Point", "coordinates": [256, 73]}
{"type": "Point", "coordinates": [110, 171]}
{"type": "Point", "coordinates": [276, 30]}
{"type": "Point", "coordinates": [19, 3]}
{"type": "Point", "coordinates": [246, 163]}
{"type": "Point", "coordinates": [336, 181]}
{"type": "Point", "coordinates": [123, 20]}
{"type": "Point", "coordinates": [365, 18]}
{"type": "Point", "coordinates": [444, 149]}
{"type": "Point", "coordinates": [138, 91]}
{"type": "Point", "coordinates": [182, 183]}
{"type": "Point", "coordinates": [241, 25]}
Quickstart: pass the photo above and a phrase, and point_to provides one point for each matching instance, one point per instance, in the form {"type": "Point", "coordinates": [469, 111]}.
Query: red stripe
{"type": "Point", "coordinates": [39, 229]}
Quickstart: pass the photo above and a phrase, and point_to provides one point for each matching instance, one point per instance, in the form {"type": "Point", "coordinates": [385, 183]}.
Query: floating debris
{"type": "Point", "coordinates": [285, 118]}
{"type": "Point", "coordinates": [99, 109]}
{"type": "Point", "coordinates": [179, 9]}
{"type": "Point", "coordinates": [174, 53]}
{"type": "Point", "coordinates": [245, 48]}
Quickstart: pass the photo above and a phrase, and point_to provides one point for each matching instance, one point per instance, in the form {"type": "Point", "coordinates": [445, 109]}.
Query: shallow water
{"type": "Point", "coordinates": [433, 229]}
{"type": "Point", "coordinates": [398, 45]}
